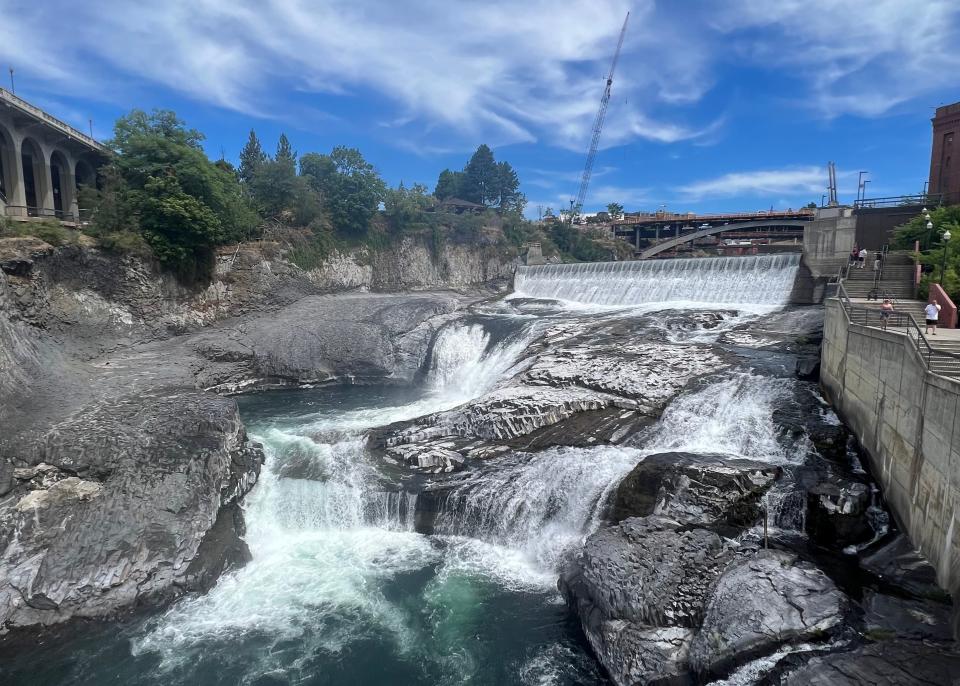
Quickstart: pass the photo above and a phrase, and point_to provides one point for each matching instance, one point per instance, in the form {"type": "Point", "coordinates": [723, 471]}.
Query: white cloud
{"type": "Point", "coordinates": [771, 182]}
{"type": "Point", "coordinates": [856, 57]}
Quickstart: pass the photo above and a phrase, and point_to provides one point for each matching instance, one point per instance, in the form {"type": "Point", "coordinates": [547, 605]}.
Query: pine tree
{"type": "Point", "coordinates": [285, 153]}
{"type": "Point", "coordinates": [481, 178]}
{"type": "Point", "coordinates": [252, 158]}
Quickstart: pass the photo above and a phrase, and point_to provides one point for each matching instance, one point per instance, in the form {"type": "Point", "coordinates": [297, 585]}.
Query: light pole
{"type": "Point", "coordinates": [12, 89]}
{"type": "Point", "coordinates": [864, 198]}
{"type": "Point", "coordinates": [946, 247]}
{"type": "Point", "coordinates": [860, 186]}
{"type": "Point", "coordinates": [926, 215]}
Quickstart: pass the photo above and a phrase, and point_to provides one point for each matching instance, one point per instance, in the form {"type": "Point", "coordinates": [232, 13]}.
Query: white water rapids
{"type": "Point", "coordinates": [331, 542]}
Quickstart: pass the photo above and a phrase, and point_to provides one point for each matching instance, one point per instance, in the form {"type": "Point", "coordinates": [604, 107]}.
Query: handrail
{"type": "Point", "coordinates": [897, 319]}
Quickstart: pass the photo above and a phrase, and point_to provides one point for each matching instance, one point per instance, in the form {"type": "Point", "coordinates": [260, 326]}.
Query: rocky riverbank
{"type": "Point", "coordinates": [122, 463]}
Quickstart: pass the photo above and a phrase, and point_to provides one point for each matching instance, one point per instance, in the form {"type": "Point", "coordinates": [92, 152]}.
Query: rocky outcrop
{"type": "Point", "coordinates": [887, 663]}
{"type": "Point", "coordinates": [114, 506]}
{"type": "Point", "coordinates": [695, 489]}
{"type": "Point", "coordinates": [639, 588]}
{"type": "Point", "coordinates": [351, 338]}
{"type": "Point", "coordinates": [837, 512]}
{"type": "Point", "coordinates": [760, 603]}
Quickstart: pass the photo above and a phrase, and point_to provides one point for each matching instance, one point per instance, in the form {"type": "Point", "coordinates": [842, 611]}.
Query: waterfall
{"type": "Point", "coordinates": [756, 280]}
{"type": "Point", "coordinates": [733, 416]}
{"type": "Point", "coordinates": [465, 363]}
{"type": "Point", "coordinates": [538, 505]}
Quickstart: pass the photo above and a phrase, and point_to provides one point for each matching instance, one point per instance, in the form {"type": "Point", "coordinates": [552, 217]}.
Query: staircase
{"type": "Point", "coordinates": [897, 282]}
{"type": "Point", "coordinates": [945, 365]}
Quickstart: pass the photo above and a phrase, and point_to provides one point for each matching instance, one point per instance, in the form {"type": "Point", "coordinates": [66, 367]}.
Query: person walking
{"type": "Point", "coordinates": [886, 309]}
{"type": "Point", "coordinates": [854, 254]}
{"type": "Point", "coordinates": [861, 258]}
{"type": "Point", "coordinates": [932, 313]}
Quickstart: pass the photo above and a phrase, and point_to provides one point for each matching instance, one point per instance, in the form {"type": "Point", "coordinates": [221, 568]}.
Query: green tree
{"type": "Point", "coordinates": [285, 152]}
{"type": "Point", "coordinates": [252, 157]}
{"type": "Point", "coordinates": [181, 230]}
{"type": "Point", "coordinates": [508, 193]}
{"type": "Point", "coordinates": [449, 185]}
{"type": "Point", "coordinates": [405, 209]}
{"type": "Point", "coordinates": [349, 186]}
{"type": "Point", "coordinates": [614, 209]}
{"type": "Point", "coordinates": [157, 154]}
{"type": "Point", "coordinates": [482, 182]}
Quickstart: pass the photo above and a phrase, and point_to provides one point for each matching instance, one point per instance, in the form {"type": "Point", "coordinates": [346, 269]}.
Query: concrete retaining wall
{"type": "Point", "coordinates": [906, 419]}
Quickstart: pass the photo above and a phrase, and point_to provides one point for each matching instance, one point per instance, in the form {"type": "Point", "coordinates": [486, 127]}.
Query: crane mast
{"type": "Point", "coordinates": [577, 205]}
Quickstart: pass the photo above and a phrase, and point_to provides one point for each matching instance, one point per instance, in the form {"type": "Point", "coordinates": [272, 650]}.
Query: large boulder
{"type": "Point", "coordinates": [887, 663]}
{"type": "Point", "coordinates": [760, 603]}
{"type": "Point", "coordinates": [639, 588]}
{"type": "Point", "coordinates": [837, 512]}
{"type": "Point", "coordinates": [705, 490]}
{"type": "Point", "coordinates": [125, 502]}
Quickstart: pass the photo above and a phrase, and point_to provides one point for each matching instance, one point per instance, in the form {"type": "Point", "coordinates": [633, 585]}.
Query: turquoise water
{"type": "Point", "coordinates": [340, 589]}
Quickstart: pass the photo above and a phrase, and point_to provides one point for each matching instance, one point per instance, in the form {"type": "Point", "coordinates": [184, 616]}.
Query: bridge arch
{"type": "Point", "coordinates": [9, 169]}
{"type": "Point", "coordinates": [714, 230]}
{"type": "Point", "coordinates": [61, 184]}
{"type": "Point", "coordinates": [36, 184]}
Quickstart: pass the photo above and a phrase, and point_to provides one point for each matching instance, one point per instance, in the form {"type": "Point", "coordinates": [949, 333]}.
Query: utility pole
{"type": "Point", "coordinates": [12, 89]}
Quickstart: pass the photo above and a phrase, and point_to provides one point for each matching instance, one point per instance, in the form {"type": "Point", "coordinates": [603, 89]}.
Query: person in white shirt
{"type": "Point", "coordinates": [862, 258]}
{"type": "Point", "coordinates": [932, 312]}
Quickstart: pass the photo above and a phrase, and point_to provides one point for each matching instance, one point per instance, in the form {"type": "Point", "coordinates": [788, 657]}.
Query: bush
{"type": "Point", "coordinates": [50, 232]}
{"type": "Point", "coordinates": [125, 243]}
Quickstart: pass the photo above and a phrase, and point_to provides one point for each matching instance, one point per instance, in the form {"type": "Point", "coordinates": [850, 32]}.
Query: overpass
{"type": "Point", "coordinates": [643, 229]}
{"type": "Point", "coordinates": [723, 228]}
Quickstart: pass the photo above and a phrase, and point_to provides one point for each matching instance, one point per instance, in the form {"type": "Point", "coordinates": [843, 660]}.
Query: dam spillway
{"type": "Point", "coordinates": [754, 280]}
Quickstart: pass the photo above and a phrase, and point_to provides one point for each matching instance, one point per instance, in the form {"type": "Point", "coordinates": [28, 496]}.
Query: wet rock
{"type": "Point", "coordinates": [898, 564]}
{"type": "Point", "coordinates": [760, 603]}
{"type": "Point", "coordinates": [695, 489]}
{"type": "Point", "coordinates": [355, 338]}
{"type": "Point", "coordinates": [886, 616]}
{"type": "Point", "coordinates": [808, 368]}
{"type": "Point", "coordinates": [117, 511]}
{"type": "Point", "coordinates": [808, 416]}
{"type": "Point", "coordinates": [637, 587]}
{"type": "Point", "coordinates": [649, 374]}
{"type": "Point", "coordinates": [837, 513]}
{"type": "Point", "coordinates": [887, 663]}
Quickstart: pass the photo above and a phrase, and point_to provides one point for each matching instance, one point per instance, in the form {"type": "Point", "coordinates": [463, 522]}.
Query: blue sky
{"type": "Point", "coordinates": [716, 105]}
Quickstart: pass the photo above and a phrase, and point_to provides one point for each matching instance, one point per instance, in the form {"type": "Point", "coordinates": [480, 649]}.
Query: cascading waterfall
{"type": "Point", "coordinates": [764, 280]}
{"type": "Point", "coordinates": [539, 505]}
{"type": "Point", "coordinates": [732, 416]}
{"type": "Point", "coordinates": [340, 583]}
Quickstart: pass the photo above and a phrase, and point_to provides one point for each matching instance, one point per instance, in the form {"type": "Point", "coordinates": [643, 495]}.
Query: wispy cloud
{"type": "Point", "coordinates": [770, 182]}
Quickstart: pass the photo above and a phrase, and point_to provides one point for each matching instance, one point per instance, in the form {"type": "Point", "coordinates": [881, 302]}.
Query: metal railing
{"type": "Point", "coordinates": [26, 211]}
{"type": "Point", "coordinates": [928, 199]}
{"type": "Point", "coordinates": [872, 316]}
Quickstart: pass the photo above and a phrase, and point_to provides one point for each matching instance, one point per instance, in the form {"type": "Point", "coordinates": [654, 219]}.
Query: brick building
{"type": "Point", "coordinates": [945, 155]}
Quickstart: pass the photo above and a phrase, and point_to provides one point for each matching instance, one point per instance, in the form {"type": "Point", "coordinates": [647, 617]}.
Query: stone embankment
{"type": "Point", "coordinates": [906, 419]}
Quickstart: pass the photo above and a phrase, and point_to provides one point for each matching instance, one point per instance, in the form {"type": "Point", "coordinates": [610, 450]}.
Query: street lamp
{"type": "Point", "coordinates": [926, 216]}
{"type": "Point", "coordinates": [946, 247]}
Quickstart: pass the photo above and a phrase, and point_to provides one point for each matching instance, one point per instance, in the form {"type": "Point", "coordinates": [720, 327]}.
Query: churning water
{"type": "Point", "coordinates": [342, 589]}
{"type": "Point", "coordinates": [762, 280]}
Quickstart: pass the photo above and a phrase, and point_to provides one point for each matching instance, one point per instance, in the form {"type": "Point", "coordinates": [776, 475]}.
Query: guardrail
{"type": "Point", "coordinates": [862, 315]}
{"type": "Point", "coordinates": [928, 199]}
{"type": "Point", "coordinates": [25, 211]}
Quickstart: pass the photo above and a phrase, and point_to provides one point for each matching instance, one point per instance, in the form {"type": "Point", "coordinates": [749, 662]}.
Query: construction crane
{"type": "Point", "coordinates": [577, 205]}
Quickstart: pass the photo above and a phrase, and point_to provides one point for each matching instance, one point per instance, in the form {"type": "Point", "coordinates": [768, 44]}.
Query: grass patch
{"type": "Point", "coordinates": [47, 231]}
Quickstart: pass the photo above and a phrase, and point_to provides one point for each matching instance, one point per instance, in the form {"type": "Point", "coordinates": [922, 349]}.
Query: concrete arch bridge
{"type": "Point", "coordinates": [753, 226]}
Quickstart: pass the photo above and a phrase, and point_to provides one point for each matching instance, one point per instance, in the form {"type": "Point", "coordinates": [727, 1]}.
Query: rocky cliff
{"type": "Point", "coordinates": [121, 467]}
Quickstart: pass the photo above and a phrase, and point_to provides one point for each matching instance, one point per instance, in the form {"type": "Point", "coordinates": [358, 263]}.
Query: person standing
{"type": "Point", "coordinates": [854, 254]}
{"type": "Point", "coordinates": [932, 313]}
{"type": "Point", "coordinates": [886, 309]}
{"type": "Point", "coordinates": [862, 258]}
